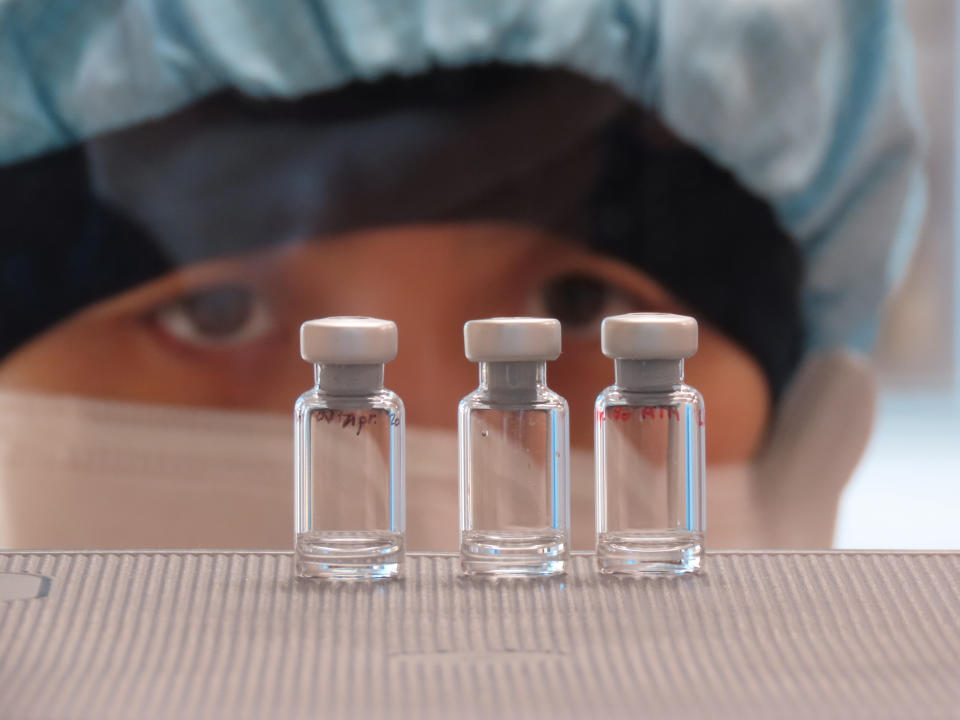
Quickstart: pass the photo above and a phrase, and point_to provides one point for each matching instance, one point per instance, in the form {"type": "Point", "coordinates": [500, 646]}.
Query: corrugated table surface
{"type": "Point", "coordinates": [231, 634]}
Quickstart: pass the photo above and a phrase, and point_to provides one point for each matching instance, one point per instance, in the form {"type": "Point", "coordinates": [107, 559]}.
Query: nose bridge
{"type": "Point", "coordinates": [430, 371]}
{"type": "Point", "coordinates": [426, 279]}
{"type": "Point", "coordinates": [427, 303]}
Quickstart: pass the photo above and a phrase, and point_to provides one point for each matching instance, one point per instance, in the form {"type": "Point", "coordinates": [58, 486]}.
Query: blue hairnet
{"type": "Point", "coordinates": [810, 103]}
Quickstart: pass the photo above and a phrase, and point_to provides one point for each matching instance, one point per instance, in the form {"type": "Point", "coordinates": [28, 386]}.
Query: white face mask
{"type": "Point", "coordinates": [80, 473]}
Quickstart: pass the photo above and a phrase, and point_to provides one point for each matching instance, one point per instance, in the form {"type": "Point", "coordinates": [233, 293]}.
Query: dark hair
{"type": "Point", "coordinates": [671, 211]}
{"type": "Point", "coordinates": [61, 248]}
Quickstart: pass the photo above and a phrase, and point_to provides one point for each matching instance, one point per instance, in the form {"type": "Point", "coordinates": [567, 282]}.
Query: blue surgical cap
{"type": "Point", "coordinates": [811, 104]}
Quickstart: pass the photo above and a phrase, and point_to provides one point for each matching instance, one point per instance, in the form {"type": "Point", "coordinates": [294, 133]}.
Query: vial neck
{"type": "Point", "coordinates": [647, 374]}
{"type": "Point", "coordinates": [517, 381]}
{"type": "Point", "coordinates": [348, 379]}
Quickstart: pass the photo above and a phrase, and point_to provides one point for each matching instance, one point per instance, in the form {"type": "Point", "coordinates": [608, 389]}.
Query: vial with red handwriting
{"type": "Point", "coordinates": [649, 449]}
{"type": "Point", "coordinates": [349, 484]}
{"type": "Point", "coordinates": [514, 453]}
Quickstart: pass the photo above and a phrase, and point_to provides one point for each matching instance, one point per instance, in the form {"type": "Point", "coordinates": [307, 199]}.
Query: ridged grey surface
{"type": "Point", "coordinates": [232, 635]}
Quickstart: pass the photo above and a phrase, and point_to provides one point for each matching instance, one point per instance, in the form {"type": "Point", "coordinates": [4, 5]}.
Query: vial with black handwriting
{"type": "Point", "coordinates": [649, 449]}
{"type": "Point", "coordinates": [349, 464]}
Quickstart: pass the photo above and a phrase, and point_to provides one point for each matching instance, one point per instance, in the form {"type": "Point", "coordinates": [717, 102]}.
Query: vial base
{"type": "Point", "coordinates": [663, 552]}
{"type": "Point", "coordinates": [514, 553]}
{"type": "Point", "coordinates": [347, 555]}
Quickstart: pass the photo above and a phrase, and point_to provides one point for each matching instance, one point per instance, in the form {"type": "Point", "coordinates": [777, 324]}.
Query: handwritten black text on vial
{"type": "Point", "coordinates": [358, 420]}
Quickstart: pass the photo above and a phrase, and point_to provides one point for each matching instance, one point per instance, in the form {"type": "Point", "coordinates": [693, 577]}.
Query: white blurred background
{"type": "Point", "coordinates": [906, 492]}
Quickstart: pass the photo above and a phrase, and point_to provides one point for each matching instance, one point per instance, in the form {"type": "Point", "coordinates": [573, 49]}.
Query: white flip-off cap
{"type": "Point", "coordinates": [348, 341]}
{"type": "Point", "coordinates": [512, 339]}
{"type": "Point", "coordinates": [649, 336]}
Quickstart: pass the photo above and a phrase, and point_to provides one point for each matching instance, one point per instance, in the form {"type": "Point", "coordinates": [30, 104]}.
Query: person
{"type": "Point", "coordinates": [515, 163]}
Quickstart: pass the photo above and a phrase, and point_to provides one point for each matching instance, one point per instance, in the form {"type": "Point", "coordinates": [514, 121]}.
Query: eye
{"type": "Point", "coordinates": [217, 316]}
{"type": "Point", "coordinates": [580, 301]}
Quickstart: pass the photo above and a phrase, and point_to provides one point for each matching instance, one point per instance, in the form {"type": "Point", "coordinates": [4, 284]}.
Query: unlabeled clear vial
{"type": "Point", "coordinates": [514, 452]}
{"type": "Point", "coordinates": [349, 453]}
{"type": "Point", "coordinates": [648, 431]}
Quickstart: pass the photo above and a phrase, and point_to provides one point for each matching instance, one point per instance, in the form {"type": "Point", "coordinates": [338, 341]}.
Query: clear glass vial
{"type": "Point", "coordinates": [514, 453]}
{"type": "Point", "coordinates": [349, 486]}
{"type": "Point", "coordinates": [649, 451]}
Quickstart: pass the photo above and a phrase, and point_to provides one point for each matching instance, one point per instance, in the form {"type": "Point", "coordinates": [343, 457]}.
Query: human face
{"type": "Point", "coordinates": [224, 333]}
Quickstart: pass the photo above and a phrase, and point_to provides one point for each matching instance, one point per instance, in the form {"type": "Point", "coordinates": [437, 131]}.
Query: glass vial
{"type": "Point", "coordinates": [349, 486]}
{"type": "Point", "coordinates": [514, 453]}
{"type": "Point", "coordinates": [649, 449]}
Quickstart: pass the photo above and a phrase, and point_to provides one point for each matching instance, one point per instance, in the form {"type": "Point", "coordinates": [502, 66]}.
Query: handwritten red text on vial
{"type": "Point", "coordinates": [624, 414]}
{"type": "Point", "coordinates": [351, 419]}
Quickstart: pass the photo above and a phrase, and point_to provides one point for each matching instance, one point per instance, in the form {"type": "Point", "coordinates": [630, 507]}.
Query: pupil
{"type": "Point", "coordinates": [220, 311]}
{"type": "Point", "coordinates": [575, 299]}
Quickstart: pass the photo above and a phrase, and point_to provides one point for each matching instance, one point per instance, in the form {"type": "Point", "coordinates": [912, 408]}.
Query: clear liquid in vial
{"type": "Point", "coordinates": [650, 517]}
{"type": "Point", "coordinates": [515, 515]}
{"type": "Point", "coordinates": [349, 492]}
